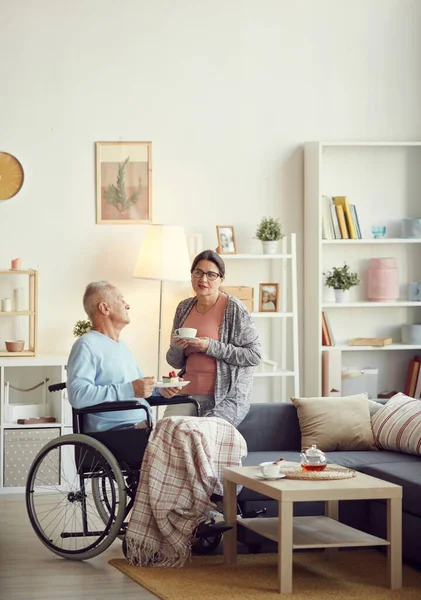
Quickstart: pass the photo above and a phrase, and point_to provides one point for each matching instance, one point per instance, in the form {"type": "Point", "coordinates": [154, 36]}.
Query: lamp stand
{"type": "Point", "coordinates": [161, 289]}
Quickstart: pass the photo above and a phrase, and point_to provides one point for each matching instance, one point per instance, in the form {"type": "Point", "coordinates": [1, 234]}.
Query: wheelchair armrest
{"type": "Point", "coordinates": [111, 407]}
{"type": "Point", "coordinates": [161, 401]}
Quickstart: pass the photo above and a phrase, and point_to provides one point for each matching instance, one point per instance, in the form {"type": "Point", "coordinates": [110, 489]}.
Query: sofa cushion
{"type": "Point", "coordinates": [408, 475]}
{"type": "Point", "coordinates": [397, 425]}
{"type": "Point", "coordinates": [359, 459]}
{"type": "Point", "coordinates": [335, 423]}
{"type": "Point", "coordinates": [271, 426]}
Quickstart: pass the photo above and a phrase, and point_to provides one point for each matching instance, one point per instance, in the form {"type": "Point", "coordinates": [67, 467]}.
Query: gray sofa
{"type": "Point", "coordinates": [272, 430]}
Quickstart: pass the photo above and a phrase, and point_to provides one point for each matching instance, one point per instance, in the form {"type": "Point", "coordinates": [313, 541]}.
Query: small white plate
{"type": "Point", "coordinates": [160, 384]}
{"type": "Point", "coordinates": [280, 476]}
{"type": "Point", "coordinates": [186, 337]}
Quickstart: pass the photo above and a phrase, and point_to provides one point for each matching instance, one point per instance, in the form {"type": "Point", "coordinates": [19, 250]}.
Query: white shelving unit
{"type": "Point", "coordinates": [20, 443]}
{"type": "Point", "coordinates": [281, 345]}
{"type": "Point", "coordinates": [383, 180]}
{"type": "Point", "coordinates": [27, 280]}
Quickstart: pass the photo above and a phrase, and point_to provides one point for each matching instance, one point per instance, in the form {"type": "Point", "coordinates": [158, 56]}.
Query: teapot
{"type": "Point", "coordinates": [313, 459]}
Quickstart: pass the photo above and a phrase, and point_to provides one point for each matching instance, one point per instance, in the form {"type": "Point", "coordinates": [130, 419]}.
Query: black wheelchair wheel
{"type": "Point", "coordinates": [206, 545]}
{"type": "Point", "coordinates": [60, 500]}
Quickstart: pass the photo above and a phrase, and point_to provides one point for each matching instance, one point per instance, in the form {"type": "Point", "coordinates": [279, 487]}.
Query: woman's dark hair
{"type": "Point", "coordinates": [213, 257]}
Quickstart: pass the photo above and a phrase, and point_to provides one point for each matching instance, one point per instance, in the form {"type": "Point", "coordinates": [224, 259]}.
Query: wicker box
{"type": "Point", "coordinates": [242, 292]}
{"type": "Point", "coordinates": [20, 448]}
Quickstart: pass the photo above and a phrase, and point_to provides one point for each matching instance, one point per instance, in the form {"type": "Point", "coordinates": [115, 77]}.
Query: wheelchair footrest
{"type": "Point", "coordinates": [211, 529]}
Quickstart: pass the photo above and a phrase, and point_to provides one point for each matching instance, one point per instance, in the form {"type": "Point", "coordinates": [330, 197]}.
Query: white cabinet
{"type": "Point", "coordinates": [278, 330]}
{"type": "Point", "coordinates": [19, 294]}
{"type": "Point", "coordinates": [23, 392]}
{"type": "Point", "coordinates": [383, 180]}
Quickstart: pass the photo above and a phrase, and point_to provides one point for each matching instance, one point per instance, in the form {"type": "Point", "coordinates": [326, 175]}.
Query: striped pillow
{"type": "Point", "coordinates": [397, 425]}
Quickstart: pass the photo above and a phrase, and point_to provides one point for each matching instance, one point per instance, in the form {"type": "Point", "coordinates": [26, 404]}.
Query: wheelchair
{"type": "Point", "coordinates": [81, 487]}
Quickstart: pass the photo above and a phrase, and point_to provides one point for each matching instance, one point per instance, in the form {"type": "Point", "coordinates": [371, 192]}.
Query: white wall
{"type": "Point", "coordinates": [227, 90]}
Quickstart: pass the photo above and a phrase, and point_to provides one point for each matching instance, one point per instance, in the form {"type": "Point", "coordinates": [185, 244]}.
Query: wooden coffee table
{"type": "Point", "coordinates": [293, 533]}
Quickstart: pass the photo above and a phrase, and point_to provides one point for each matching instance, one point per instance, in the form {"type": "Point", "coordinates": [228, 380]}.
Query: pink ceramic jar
{"type": "Point", "coordinates": [383, 280]}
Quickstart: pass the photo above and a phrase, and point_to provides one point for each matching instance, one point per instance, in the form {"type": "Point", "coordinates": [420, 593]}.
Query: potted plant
{"type": "Point", "coordinates": [341, 280]}
{"type": "Point", "coordinates": [269, 232]}
{"type": "Point", "coordinates": [82, 327]}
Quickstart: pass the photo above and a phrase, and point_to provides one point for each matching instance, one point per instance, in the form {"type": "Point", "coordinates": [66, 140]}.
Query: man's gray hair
{"type": "Point", "coordinates": [95, 292]}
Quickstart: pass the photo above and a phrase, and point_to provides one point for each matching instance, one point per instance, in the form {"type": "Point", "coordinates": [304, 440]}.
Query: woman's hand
{"type": "Point", "coordinates": [171, 391]}
{"type": "Point", "coordinates": [176, 342]}
{"type": "Point", "coordinates": [199, 344]}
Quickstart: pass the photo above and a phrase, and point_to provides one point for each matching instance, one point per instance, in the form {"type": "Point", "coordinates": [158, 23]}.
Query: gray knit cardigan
{"type": "Point", "coordinates": [237, 351]}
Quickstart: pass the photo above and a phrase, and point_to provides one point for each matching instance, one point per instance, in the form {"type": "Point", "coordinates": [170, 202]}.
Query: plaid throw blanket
{"type": "Point", "coordinates": [182, 467]}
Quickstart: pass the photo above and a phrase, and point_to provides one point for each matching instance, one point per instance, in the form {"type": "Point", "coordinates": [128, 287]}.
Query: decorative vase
{"type": "Point", "coordinates": [383, 280]}
{"type": "Point", "coordinates": [341, 296]}
{"type": "Point", "coordinates": [270, 247]}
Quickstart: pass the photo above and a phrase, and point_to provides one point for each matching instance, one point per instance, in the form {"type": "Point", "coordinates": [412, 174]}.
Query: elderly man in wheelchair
{"type": "Point", "coordinates": [118, 475]}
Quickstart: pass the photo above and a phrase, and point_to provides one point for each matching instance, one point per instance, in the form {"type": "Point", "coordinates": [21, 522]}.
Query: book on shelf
{"type": "Point", "coordinates": [335, 222]}
{"type": "Point", "coordinates": [342, 223]}
{"type": "Point", "coordinates": [326, 324]}
{"type": "Point", "coordinates": [375, 341]}
{"type": "Point", "coordinates": [413, 377]}
{"type": "Point", "coordinates": [343, 201]}
{"type": "Point", "coordinates": [331, 373]}
{"type": "Point", "coordinates": [328, 232]}
{"type": "Point", "coordinates": [356, 220]}
{"type": "Point", "coordinates": [325, 333]}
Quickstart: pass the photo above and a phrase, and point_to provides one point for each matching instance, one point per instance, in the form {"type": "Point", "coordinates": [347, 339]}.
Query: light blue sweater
{"type": "Point", "coordinates": [101, 370]}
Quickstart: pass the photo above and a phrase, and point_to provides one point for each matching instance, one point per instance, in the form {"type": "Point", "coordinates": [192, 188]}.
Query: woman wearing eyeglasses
{"type": "Point", "coordinates": [219, 362]}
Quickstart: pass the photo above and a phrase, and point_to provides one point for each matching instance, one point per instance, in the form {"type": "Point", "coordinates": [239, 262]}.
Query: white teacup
{"type": "Point", "coordinates": [269, 469]}
{"type": "Point", "coordinates": [187, 332]}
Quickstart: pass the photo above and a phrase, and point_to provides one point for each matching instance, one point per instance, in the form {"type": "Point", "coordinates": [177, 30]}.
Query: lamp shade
{"type": "Point", "coordinates": [164, 254]}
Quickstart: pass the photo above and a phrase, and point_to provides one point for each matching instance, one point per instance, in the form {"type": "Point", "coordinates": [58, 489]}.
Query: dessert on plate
{"type": "Point", "coordinates": [170, 378]}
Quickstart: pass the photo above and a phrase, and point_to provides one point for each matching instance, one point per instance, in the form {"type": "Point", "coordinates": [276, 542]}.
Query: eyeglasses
{"type": "Point", "coordinates": [211, 275]}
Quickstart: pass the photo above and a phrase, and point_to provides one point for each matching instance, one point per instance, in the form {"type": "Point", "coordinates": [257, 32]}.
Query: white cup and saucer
{"type": "Point", "coordinates": [271, 470]}
{"type": "Point", "coordinates": [186, 333]}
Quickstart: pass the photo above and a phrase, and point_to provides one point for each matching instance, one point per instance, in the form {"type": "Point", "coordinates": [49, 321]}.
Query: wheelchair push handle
{"type": "Point", "coordinates": [57, 387]}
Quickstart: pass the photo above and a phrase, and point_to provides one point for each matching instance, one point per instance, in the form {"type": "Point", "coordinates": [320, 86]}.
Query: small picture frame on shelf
{"type": "Point", "coordinates": [226, 239]}
{"type": "Point", "coordinates": [268, 297]}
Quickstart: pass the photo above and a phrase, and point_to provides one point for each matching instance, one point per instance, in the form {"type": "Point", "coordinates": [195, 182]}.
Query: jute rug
{"type": "Point", "coordinates": [353, 575]}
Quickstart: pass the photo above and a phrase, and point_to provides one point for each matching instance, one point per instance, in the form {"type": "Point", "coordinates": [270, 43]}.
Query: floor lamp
{"type": "Point", "coordinates": [163, 256]}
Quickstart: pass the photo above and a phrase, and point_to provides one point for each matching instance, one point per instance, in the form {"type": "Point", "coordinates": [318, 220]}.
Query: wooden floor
{"type": "Point", "coordinates": [29, 571]}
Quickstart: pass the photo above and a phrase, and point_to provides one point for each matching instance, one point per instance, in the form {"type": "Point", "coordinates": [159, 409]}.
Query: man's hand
{"type": "Point", "coordinates": [143, 388]}
{"type": "Point", "coordinates": [199, 344]}
{"type": "Point", "coordinates": [171, 391]}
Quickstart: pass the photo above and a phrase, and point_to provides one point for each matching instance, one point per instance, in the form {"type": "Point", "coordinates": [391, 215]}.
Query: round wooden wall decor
{"type": "Point", "coordinates": [11, 176]}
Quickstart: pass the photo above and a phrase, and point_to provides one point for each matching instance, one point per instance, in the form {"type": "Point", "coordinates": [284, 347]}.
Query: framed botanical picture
{"type": "Point", "coordinates": [123, 182]}
{"type": "Point", "coordinates": [268, 297]}
{"type": "Point", "coordinates": [226, 239]}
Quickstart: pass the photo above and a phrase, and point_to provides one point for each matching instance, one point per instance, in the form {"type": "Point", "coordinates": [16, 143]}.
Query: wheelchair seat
{"type": "Point", "coordinates": [127, 445]}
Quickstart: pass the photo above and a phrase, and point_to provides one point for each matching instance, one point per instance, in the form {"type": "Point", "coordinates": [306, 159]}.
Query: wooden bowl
{"type": "Point", "coordinates": [14, 345]}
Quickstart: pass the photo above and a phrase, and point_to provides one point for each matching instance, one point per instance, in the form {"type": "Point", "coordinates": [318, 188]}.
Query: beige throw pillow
{"type": "Point", "coordinates": [334, 423]}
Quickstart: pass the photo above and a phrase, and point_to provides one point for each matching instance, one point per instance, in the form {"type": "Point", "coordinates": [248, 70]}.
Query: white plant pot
{"type": "Point", "coordinates": [341, 296]}
{"type": "Point", "coordinates": [270, 247]}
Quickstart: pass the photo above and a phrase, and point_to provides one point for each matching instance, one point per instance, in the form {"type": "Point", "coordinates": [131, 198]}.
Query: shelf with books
{"type": "Point", "coordinates": [381, 241]}
{"type": "Point", "coordinates": [374, 305]}
{"type": "Point", "coordinates": [379, 179]}
{"type": "Point", "coordinates": [345, 348]}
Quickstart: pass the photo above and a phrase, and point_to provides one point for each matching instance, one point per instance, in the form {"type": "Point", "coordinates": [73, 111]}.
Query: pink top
{"type": "Point", "coordinates": [200, 368]}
